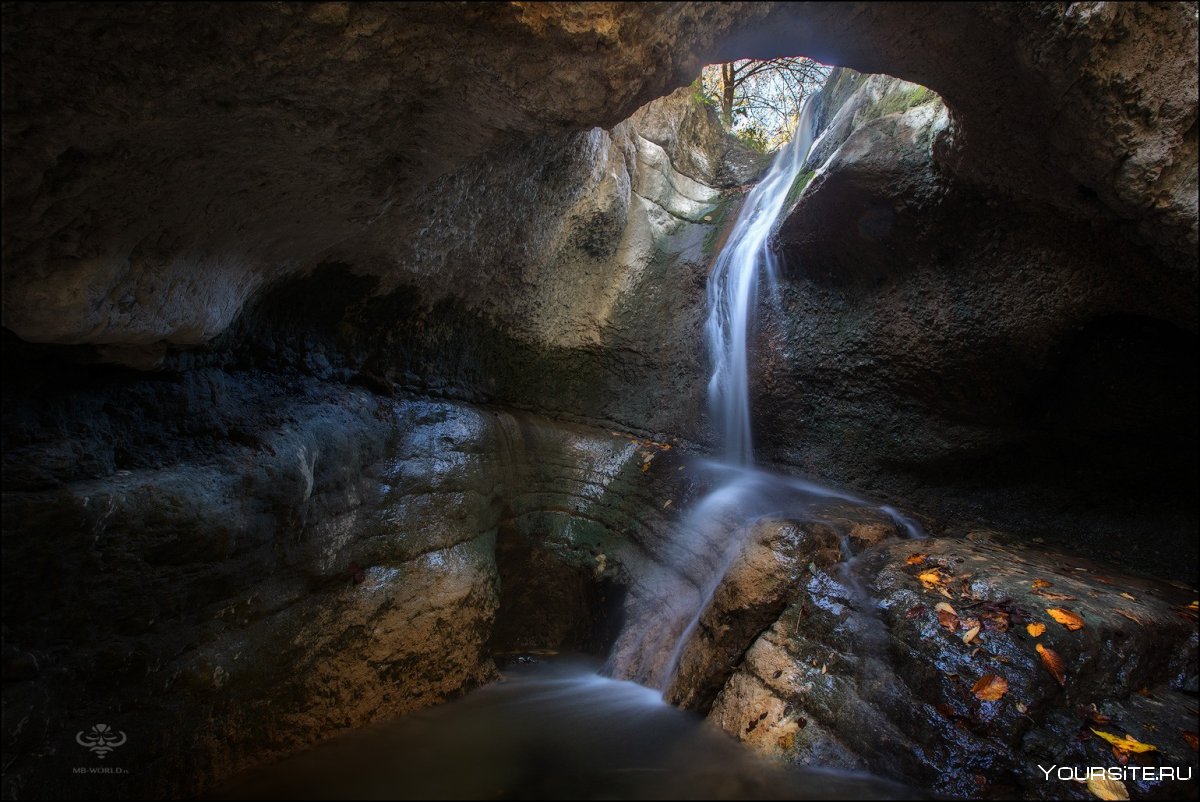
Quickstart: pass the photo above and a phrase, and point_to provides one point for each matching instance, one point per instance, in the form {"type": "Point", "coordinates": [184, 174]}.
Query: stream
{"type": "Point", "coordinates": [551, 729]}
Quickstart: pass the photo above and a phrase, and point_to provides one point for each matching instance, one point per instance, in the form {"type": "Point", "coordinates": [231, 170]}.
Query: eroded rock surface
{"type": "Point", "coordinates": [312, 310]}
{"type": "Point", "coordinates": [337, 567]}
{"type": "Point", "coordinates": [880, 658]}
{"type": "Point", "coordinates": [975, 355]}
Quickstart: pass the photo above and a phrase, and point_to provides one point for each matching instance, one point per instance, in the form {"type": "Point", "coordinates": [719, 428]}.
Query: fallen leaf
{"type": "Point", "coordinates": [1041, 583]}
{"type": "Point", "coordinates": [971, 634]}
{"type": "Point", "coordinates": [1035, 629]}
{"type": "Point", "coordinates": [1126, 744]}
{"type": "Point", "coordinates": [945, 593]}
{"type": "Point", "coordinates": [998, 620]}
{"type": "Point", "coordinates": [1132, 616]}
{"type": "Point", "coordinates": [1022, 708]}
{"type": "Point", "coordinates": [1046, 594]}
{"type": "Point", "coordinates": [1066, 617]}
{"type": "Point", "coordinates": [1104, 788]}
{"type": "Point", "coordinates": [916, 559]}
{"type": "Point", "coordinates": [948, 620]}
{"type": "Point", "coordinates": [943, 607]}
{"type": "Point", "coordinates": [990, 687]}
{"type": "Point", "coordinates": [1190, 737]}
{"type": "Point", "coordinates": [1127, 596]}
{"type": "Point", "coordinates": [931, 579]}
{"type": "Point", "coordinates": [1053, 663]}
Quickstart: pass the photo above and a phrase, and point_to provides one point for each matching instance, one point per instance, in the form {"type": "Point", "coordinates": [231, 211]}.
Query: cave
{"type": "Point", "coordinates": [388, 383]}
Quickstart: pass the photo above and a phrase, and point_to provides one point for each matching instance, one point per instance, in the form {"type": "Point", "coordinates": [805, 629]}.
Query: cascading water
{"type": "Point", "coordinates": [710, 536]}
{"type": "Point", "coordinates": [733, 291]}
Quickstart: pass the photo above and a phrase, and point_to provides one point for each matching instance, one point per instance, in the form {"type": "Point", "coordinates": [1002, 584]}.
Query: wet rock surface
{"type": "Point", "coordinates": [975, 356]}
{"type": "Point", "coordinates": [338, 567]}
{"type": "Point", "coordinates": [327, 325]}
{"type": "Point", "coordinates": [959, 665]}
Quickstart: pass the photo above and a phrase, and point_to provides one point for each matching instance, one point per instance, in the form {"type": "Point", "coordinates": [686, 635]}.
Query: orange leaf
{"type": "Point", "coordinates": [1041, 583]}
{"type": "Point", "coordinates": [971, 634]}
{"type": "Point", "coordinates": [1126, 744]}
{"type": "Point", "coordinates": [1052, 596]}
{"type": "Point", "coordinates": [1191, 739]}
{"type": "Point", "coordinates": [916, 559]}
{"type": "Point", "coordinates": [990, 687]}
{"type": "Point", "coordinates": [1134, 617]}
{"type": "Point", "coordinates": [1053, 663]}
{"type": "Point", "coordinates": [931, 579]}
{"type": "Point", "coordinates": [1035, 629]}
{"type": "Point", "coordinates": [948, 620]}
{"type": "Point", "coordinates": [1066, 617]}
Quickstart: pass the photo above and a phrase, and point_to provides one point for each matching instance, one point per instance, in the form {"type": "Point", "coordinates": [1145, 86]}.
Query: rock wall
{"type": "Point", "coordinates": [269, 138]}
{"type": "Point", "coordinates": [333, 565]}
{"type": "Point", "coordinates": [973, 355]}
{"type": "Point", "coordinates": [319, 320]}
{"type": "Point", "coordinates": [254, 545]}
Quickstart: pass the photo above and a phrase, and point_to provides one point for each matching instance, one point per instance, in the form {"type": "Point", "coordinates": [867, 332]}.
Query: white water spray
{"type": "Point", "coordinates": [733, 291]}
{"type": "Point", "coordinates": [710, 537]}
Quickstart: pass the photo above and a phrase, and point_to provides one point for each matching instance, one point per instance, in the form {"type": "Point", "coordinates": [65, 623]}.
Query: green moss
{"type": "Point", "coordinates": [801, 181]}
{"type": "Point", "coordinates": [895, 101]}
{"type": "Point", "coordinates": [719, 214]}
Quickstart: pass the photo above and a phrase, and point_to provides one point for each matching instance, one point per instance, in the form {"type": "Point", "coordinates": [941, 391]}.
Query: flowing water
{"type": "Point", "coordinates": [733, 291]}
{"type": "Point", "coordinates": [561, 729]}
{"type": "Point", "coordinates": [550, 730]}
{"type": "Point", "coordinates": [711, 536]}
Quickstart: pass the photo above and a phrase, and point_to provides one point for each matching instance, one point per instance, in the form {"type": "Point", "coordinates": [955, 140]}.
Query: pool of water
{"type": "Point", "coordinates": [551, 729]}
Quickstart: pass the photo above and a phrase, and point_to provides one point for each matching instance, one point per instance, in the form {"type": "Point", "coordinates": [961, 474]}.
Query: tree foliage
{"type": "Point", "coordinates": [760, 100]}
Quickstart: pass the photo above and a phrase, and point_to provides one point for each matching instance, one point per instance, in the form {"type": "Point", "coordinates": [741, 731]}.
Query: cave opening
{"type": "Point", "coordinates": [333, 395]}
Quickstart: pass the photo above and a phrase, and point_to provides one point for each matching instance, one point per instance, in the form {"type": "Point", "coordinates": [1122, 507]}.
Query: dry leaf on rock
{"type": "Point", "coordinates": [1126, 744]}
{"type": "Point", "coordinates": [1068, 618]}
{"type": "Point", "coordinates": [1053, 663]}
{"type": "Point", "coordinates": [1106, 788]}
{"type": "Point", "coordinates": [1035, 629]}
{"type": "Point", "coordinates": [948, 620]}
{"type": "Point", "coordinates": [1141, 621]}
{"type": "Point", "coordinates": [1052, 596]}
{"type": "Point", "coordinates": [931, 579]}
{"type": "Point", "coordinates": [990, 687]}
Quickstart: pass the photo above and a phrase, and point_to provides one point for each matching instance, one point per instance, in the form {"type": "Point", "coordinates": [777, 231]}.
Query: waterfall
{"type": "Point", "coordinates": [733, 291]}
{"type": "Point", "coordinates": [709, 538]}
